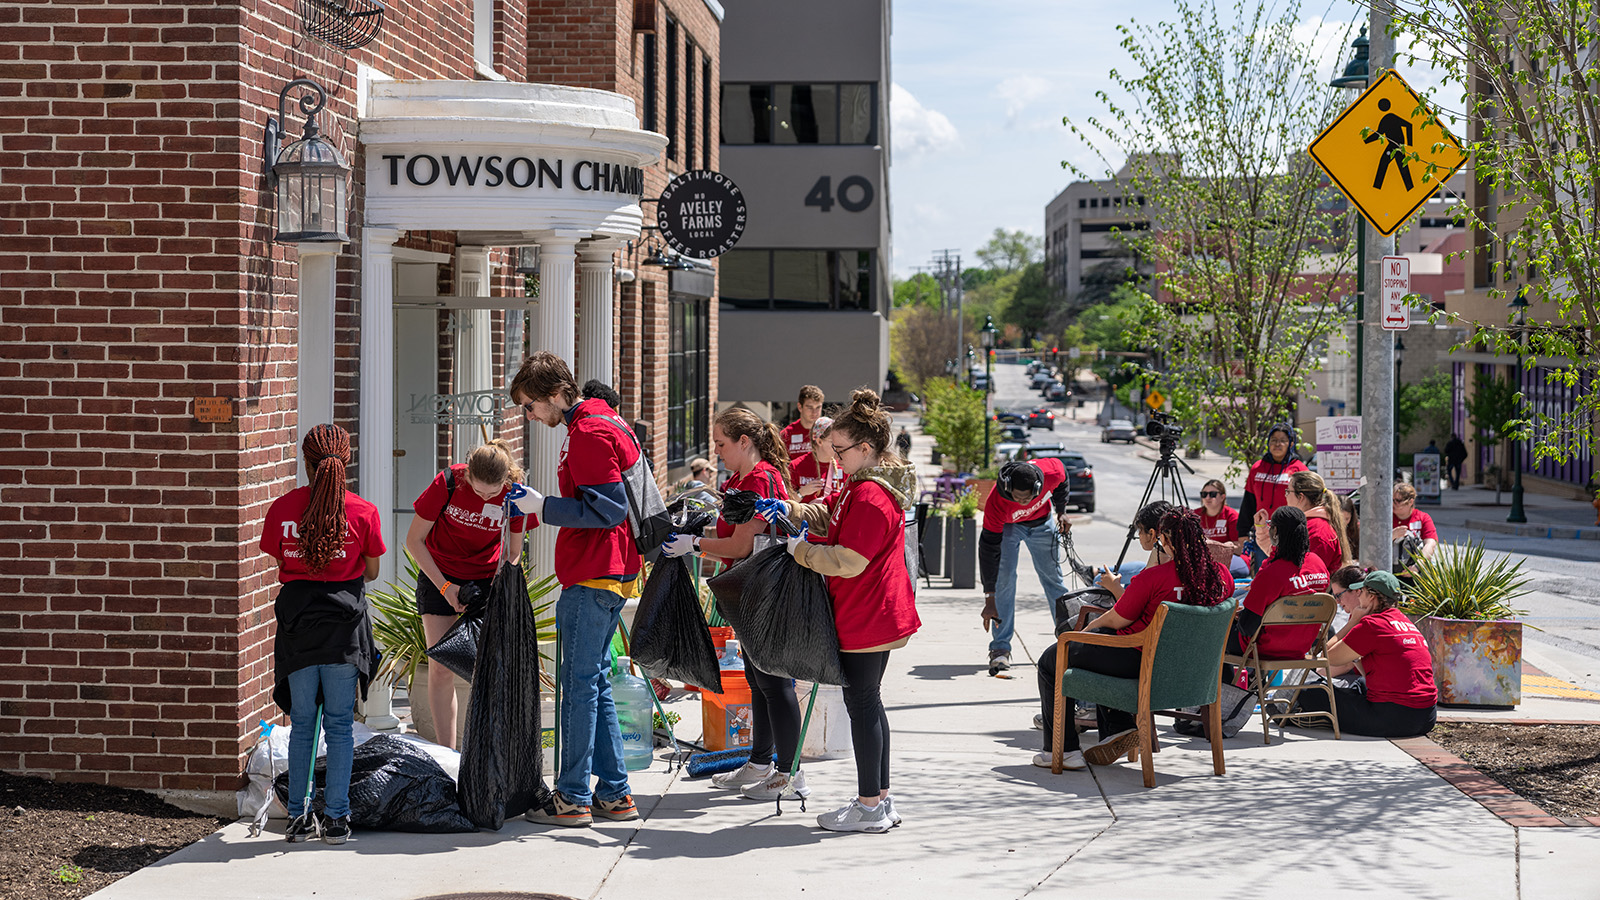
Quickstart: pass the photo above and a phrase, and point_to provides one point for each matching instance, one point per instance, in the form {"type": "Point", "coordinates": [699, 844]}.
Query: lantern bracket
{"type": "Point", "coordinates": [311, 103]}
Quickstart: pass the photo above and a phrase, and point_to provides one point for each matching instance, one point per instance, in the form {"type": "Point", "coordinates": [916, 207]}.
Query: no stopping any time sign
{"type": "Point", "coordinates": [701, 214]}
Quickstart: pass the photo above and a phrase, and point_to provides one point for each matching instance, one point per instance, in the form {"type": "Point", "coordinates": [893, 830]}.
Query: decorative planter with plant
{"type": "Point", "coordinates": [961, 540]}
{"type": "Point", "coordinates": [397, 628]}
{"type": "Point", "coordinates": [932, 538]}
{"type": "Point", "coordinates": [1461, 603]}
{"type": "Point", "coordinates": [983, 483]}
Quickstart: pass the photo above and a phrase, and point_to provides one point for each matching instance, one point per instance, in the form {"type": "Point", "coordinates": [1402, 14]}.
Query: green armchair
{"type": "Point", "coordinates": [1181, 666]}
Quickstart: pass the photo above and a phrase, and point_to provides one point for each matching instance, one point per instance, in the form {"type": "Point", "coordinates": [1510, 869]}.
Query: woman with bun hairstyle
{"type": "Point", "coordinates": [859, 534]}
{"type": "Point", "coordinates": [1324, 520]}
{"type": "Point", "coordinates": [327, 542]}
{"type": "Point", "coordinates": [455, 539]}
{"type": "Point", "coordinates": [754, 451]}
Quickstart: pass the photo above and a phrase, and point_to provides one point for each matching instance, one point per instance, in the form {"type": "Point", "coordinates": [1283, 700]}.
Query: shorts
{"type": "Point", "coordinates": [432, 603]}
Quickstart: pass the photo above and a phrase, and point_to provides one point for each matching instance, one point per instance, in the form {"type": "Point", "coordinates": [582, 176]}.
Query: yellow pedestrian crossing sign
{"type": "Point", "coordinates": [1380, 149]}
{"type": "Point", "coordinates": [1155, 400]}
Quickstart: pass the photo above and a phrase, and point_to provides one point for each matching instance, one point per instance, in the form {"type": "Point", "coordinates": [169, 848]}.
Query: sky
{"type": "Point", "coordinates": [979, 91]}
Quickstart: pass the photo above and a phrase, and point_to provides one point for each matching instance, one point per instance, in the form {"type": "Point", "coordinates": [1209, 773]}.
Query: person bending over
{"type": "Point", "coordinates": [1018, 513]}
{"type": "Point", "coordinates": [1413, 528]}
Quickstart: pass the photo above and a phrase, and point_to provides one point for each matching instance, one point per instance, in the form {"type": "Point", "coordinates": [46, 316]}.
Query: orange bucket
{"type": "Point", "coordinates": [725, 717]}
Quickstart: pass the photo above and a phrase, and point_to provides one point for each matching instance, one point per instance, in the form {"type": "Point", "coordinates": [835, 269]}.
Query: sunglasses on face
{"type": "Point", "coordinates": [527, 407]}
{"type": "Point", "coordinates": [1211, 493]}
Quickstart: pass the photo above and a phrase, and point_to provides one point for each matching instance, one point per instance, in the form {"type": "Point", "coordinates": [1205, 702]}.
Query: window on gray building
{"type": "Point", "coordinates": [822, 113]}
{"type": "Point", "coordinates": [797, 279]}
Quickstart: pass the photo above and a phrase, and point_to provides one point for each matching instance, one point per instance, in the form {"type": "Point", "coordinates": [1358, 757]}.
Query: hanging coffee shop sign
{"type": "Point", "coordinates": [701, 214]}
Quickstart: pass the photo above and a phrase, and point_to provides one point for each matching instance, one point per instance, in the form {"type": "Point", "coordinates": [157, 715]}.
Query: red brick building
{"type": "Point", "coordinates": [139, 272]}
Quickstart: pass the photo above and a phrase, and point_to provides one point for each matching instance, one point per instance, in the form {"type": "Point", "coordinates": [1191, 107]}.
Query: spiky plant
{"type": "Point", "coordinates": [1457, 583]}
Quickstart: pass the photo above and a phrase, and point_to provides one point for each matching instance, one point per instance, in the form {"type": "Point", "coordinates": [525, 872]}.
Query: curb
{"type": "Point", "coordinates": [1493, 796]}
{"type": "Point", "coordinates": [1556, 532]}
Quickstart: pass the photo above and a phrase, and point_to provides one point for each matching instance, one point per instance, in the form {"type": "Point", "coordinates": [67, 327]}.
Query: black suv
{"type": "Point", "coordinates": [1080, 476]}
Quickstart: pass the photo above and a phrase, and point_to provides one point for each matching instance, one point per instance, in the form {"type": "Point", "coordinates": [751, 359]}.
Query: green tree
{"type": "Point", "coordinates": [1531, 78]}
{"type": "Point", "coordinates": [1494, 410]}
{"type": "Point", "coordinates": [954, 417]}
{"type": "Point", "coordinates": [1011, 251]}
{"type": "Point", "coordinates": [920, 289]}
{"type": "Point", "coordinates": [1111, 329]}
{"type": "Point", "coordinates": [921, 338]}
{"type": "Point", "coordinates": [1030, 307]}
{"type": "Point", "coordinates": [1425, 405]}
{"type": "Point", "coordinates": [1100, 281]}
{"type": "Point", "coordinates": [1214, 139]}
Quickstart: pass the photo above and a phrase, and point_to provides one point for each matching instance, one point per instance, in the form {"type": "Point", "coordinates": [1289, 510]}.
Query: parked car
{"type": "Point", "coordinates": [1118, 430]}
{"type": "Point", "coordinates": [1014, 433]}
{"type": "Point", "coordinates": [1042, 418]}
{"type": "Point", "coordinates": [1080, 475]}
{"type": "Point", "coordinates": [1041, 378]}
{"type": "Point", "coordinates": [1056, 392]}
{"type": "Point", "coordinates": [980, 381]}
{"type": "Point", "coordinates": [1010, 417]}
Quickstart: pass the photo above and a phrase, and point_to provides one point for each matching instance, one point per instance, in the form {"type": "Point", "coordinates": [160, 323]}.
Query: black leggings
{"type": "Point", "coordinates": [869, 724]}
{"type": "Point", "coordinates": [1359, 715]}
{"type": "Point", "coordinates": [1118, 662]}
{"type": "Point", "coordinates": [774, 718]}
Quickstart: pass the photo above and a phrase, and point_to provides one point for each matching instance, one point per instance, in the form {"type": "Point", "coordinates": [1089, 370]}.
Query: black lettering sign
{"type": "Point", "coordinates": [424, 169]}
{"type": "Point", "coordinates": [701, 213]}
{"type": "Point", "coordinates": [511, 172]}
{"type": "Point", "coordinates": [433, 170]}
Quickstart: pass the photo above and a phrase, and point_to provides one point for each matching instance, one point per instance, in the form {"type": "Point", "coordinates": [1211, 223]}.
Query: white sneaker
{"type": "Point", "coordinates": [855, 817]}
{"type": "Point", "coordinates": [1072, 759]}
{"type": "Point", "coordinates": [889, 810]}
{"type": "Point", "coordinates": [749, 773]}
{"type": "Point", "coordinates": [1108, 750]}
{"type": "Point", "coordinates": [779, 785]}
{"type": "Point", "coordinates": [1038, 721]}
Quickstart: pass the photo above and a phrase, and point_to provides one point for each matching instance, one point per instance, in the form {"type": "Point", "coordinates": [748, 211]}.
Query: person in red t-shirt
{"type": "Point", "coordinates": [863, 555]}
{"type": "Point", "coordinates": [1267, 483]}
{"type": "Point", "coordinates": [1291, 570]}
{"type": "Point", "coordinates": [597, 564]}
{"type": "Point", "coordinates": [1016, 515]}
{"type": "Point", "coordinates": [455, 539]}
{"type": "Point", "coordinates": [1221, 524]}
{"type": "Point", "coordinates": [797, 437]}
{"type": "Point", "coordinates": [1190, 576]}
{"type": "Point", "coordinates": [1399, 698]}
{"type": "Point", "coordinates": [754, 451]}
{"type": "Point", "coordinates": [327, 542]}
{"type": "Point", "coordinates": [816, 474]}
{"type": "Point", "coordinates": [1324, 520]}
{"type": "Point", "coordinates": [1413, 523]}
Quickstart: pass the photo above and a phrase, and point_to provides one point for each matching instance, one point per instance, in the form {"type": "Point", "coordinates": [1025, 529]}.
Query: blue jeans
{"type": "Point", "coordinates": [591, 741]}
{"type": "Point", "coordinates": [1046, 552]}
{"type": "Point", "coordinates": [338, 686]}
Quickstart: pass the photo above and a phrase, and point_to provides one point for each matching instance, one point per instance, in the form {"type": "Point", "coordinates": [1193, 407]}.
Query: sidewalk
{"type": "Point", "coordinates": [1349, 818]}
{"type": "Point", "coordinates": [1474, 508]}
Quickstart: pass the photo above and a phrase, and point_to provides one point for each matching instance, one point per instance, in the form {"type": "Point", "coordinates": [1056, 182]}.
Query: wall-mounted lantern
{"type": "Point", "coordinates": [309, 174]}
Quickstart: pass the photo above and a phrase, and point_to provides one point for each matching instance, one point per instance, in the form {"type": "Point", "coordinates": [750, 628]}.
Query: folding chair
{"type": "Point", "coordinates": [1293, 610]}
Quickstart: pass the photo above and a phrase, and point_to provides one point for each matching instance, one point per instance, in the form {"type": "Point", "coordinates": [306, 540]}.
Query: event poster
{"type": "Point", "coordinates": [1339, 452]}
{"type": "Point", "coordinates": [1425, 476]}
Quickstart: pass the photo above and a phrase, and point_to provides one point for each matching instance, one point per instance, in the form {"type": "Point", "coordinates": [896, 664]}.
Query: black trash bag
{"type": "Point", "coordinates": [457, 649]}
{"type": "Point", "coordinates": [502, 762]}
{"type": "Point", "coordinates": [739, 507]}
{"type": "Point", "coordinates": [783, 616]}
{"type": "Point", "coordinates": [670, 637]}
{"type": "Point", "coordinates": [394, 786]}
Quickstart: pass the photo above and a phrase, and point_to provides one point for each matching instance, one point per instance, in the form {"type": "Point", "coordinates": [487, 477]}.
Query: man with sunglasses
{"type": "Point", "coordinates": [1018, 513]}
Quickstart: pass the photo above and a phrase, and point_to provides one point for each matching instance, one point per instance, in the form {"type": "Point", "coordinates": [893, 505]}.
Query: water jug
{"type": "Point", "coordinates": [730, 658]}
{"type": "Point", "coordinates": [631, 695]}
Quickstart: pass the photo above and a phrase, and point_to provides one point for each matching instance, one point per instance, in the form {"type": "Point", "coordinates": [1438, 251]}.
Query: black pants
{"type": "Point", "coordinates": [1359, 715]}
{"type": "Point", "coordinates": [774, 718]}
{"type": "Point", "coordinates": [869, 724]}
{"type": "Point", "coordinates": [1453, 474]}
{"type": "Point", "coordinates": [1118, 662]}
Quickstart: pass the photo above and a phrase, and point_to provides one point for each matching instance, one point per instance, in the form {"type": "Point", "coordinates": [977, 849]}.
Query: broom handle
{"type": "Point", "coordinates": [811, 704]}
{"type": "Point", "coordinates": [311, 775]}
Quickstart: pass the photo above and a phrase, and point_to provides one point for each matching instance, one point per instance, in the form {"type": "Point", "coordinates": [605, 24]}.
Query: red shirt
{"type": "Point", "coordinates": [596, 451]}
{"type": "Point", "coordinates": [1222, 528]}
{"type": "Point", "coordinates": [1325, 542]}
{"type": "Point", "coordinates": [1153, 585]}
{"type": "Point", "coordinates": [878, 606]}
{"type": "Point", "coordinates": [1282, 578]}
{"type": "Point", "coordinates": [280, 538]}
{"type": "Point", "coordinates": [1396, 659]}
{"type": "Point", "coordinates": [1420, 524]}
{"type": "Point", "coordinates": [465, 538]}
{"type": "Point", "coordinates": [1001, 510]}
{"type": "Point", "coordinates": [764, 480]}
{"type": "Point", "coordinates": [806, 470]}
{"type": "Point", "coordinates": [1269, 482]}
{"type": "Point", "coordinates": [797, 438]}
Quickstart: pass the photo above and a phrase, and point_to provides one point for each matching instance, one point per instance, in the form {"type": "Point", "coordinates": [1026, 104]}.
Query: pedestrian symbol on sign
{"type": "Point", "coordinates": [1396, 135]}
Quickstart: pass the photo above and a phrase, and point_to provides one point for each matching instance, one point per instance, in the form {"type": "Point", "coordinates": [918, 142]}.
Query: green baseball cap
{"type": "Point", "coordinates": [1381, 583]}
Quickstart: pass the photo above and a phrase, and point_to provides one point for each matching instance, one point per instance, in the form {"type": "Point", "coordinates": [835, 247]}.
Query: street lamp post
{"type": "Point", "coordinates": [987, 338]}
{"type": "Point", "coordinates": [1520, 305]}
{"type": "Point", "coordinates": [1355, 77]}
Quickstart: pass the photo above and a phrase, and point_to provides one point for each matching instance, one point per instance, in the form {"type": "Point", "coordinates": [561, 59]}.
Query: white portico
{"type": "Point", "coordinates": [502, 164]}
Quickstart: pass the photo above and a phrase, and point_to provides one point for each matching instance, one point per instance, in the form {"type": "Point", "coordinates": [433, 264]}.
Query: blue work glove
{"type": "Point", "coordinates": [795, 540]}
{"type": "Point", "coordinates": [769, 509]}
{"type": "Point", "coordinates": [678, 545]}
{"type": "Point", "coordinates": [522, 500]}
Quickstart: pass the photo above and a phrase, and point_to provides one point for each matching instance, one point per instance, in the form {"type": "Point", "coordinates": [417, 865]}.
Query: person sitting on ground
{"type": "Point", "coordinates": [1400, 697]}
{"type": "Point", "coordinates": [816, 474]}
{"type": "Point", "coordinates": [1191, 576]}
{"type": "Point", "coordinates": [1348, 674]}
{"type": "Point", "coordinates": [1291, 570]}
{"type": "Point", "coordinates": [1324, 520]}
{"type": "Point", "coordinates": [701, 474]}
{"type": "Point", "coordinates": [1221, 523]}
{"type": "Point", "coordinates": [1414, 524]}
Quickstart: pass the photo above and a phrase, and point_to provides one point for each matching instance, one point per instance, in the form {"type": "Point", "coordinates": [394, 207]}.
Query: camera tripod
{"type": "Point", "coordinates": [1169, 481]}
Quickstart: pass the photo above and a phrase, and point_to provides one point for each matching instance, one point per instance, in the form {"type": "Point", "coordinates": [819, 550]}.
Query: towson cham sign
{"type": "Point", "coordinates": [511, 173]}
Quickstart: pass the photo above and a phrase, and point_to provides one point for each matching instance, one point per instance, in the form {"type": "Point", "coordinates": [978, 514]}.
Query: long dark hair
{"type": "Point", "coordinates": [1196, 571]}
{"type": "Point", "coordinates": [1149, 517]}
{"type": "Point", "coordinates": [322, 526]}
{"type": "Point", "coordinates": [1292, 537]}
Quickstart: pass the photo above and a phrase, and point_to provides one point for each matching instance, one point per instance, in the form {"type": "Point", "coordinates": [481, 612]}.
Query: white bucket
{"type": "Point", "coordinates": [828, 735]}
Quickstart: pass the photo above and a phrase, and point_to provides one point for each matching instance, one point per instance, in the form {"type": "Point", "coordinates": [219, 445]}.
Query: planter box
{"type": "Point", "coordinates": [961, 552]}
{"type": "Point", "coordinates": [937, 457]}
{"type": "Point", "coordinates": [1475, 663]}
{"type": "Point", "coordinates": [982, 487]}
{"type": "Point", "coordinates": [933, 544]}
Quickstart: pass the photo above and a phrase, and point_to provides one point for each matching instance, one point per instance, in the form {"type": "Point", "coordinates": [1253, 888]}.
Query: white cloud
{"type": "Point", "coordinates": [1018, 92]}
{"type": "Point", "coordinates": [918, 129]}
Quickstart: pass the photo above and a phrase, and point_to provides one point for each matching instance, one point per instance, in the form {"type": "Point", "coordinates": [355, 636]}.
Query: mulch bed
{"type": "Point", "coordinates": [1556, 767]}
{"type": "Point", "coordinates": [63, 839]}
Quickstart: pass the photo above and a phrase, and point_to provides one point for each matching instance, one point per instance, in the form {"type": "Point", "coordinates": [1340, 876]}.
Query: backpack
{"type": "Point", "coordinates": [648, 519]}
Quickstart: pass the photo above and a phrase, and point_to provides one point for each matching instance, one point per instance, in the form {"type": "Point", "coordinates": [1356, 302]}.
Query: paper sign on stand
{"type": "Point", "coordinates": [1339, 452]}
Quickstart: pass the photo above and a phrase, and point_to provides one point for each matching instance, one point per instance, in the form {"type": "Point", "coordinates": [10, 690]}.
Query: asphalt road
{"type": "Point", "coordinates": [1563, 575]}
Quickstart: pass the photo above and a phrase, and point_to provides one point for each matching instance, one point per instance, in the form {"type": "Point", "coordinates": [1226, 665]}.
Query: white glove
{"type": "Point", "coordinates": [795, 540]}
{"type": "Point", "coordinates": [522, 500]}
{"type": "Point", "coordinates": [678, 545]}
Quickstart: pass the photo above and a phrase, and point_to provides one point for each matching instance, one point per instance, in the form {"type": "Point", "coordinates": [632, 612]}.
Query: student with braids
{"type": "Point", "coordinates": [327, 542]}
{"type": "Point", "coordinates": [455, 539]}
{"type": "Point", "coordinates": [1190, 575]}
{"type": "Point", "coordinates": [754, 451]}
{"type": "Point", "coordinates": [1324, 520]}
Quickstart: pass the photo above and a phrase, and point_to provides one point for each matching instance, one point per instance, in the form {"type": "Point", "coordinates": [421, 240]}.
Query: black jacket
{"type": "Point", "coordinates": [322, 623]}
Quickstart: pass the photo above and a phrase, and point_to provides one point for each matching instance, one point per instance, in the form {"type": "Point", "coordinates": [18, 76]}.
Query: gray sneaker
{"type": "Point", "coordinates": [747, 774]}
{"type": "Point", "coordinates": [889, 810]}
{"type": "Point", "coordinates": [855, 817]}
{"type": "Point", "coordinates": [780, 785]}
{"type": "Point", "coordinates": [999, 661]}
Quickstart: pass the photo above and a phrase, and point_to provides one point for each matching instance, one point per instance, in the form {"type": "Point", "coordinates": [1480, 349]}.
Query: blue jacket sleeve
{"type": "Point", "coordinates": [596, 506]}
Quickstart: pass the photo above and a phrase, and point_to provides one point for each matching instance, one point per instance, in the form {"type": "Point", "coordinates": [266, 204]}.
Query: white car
{"type": "Point", "coordinates": [1118, 430]}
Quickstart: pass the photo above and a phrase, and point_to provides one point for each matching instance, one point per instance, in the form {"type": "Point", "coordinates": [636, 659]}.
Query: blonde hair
{"type": "Point", "coordinates": [1404, 491]}
{"type": "Point", "coordinates": [1311, 486]}
{"type": "Point", "coordinates": [493, 463]}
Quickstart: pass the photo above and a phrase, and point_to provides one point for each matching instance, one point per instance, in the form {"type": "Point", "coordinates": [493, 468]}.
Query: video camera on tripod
{"type": "Point", "coordinates": [1164, 427]}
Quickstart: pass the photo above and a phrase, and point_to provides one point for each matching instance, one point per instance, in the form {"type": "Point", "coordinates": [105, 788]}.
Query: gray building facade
{"type": "Point", "coordinates": [805, 296]}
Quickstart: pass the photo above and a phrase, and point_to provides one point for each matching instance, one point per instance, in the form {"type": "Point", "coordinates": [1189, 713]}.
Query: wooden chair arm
{"type": "Point", "coordinates": [1104, 640]}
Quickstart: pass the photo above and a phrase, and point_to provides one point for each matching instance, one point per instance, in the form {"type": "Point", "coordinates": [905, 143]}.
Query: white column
{"type": "Point", "coordinates": [595, 351]}
{"type": "Point", "coordinates": [376, 438]}
{"type": "Point", "coordinates": [314, 357]}
{"type": "Point", "coordinates": [473, 350]}
{"type": "Point", "coordinates": [553, 327]}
